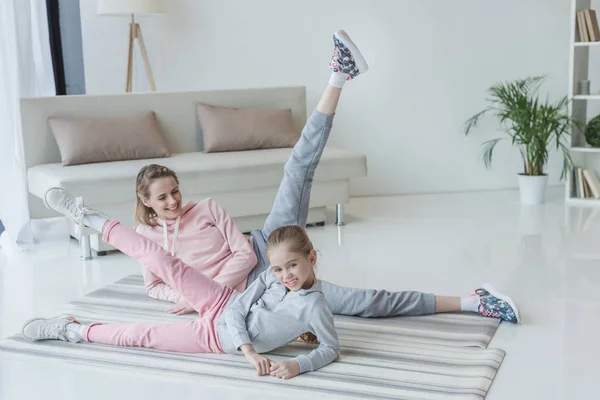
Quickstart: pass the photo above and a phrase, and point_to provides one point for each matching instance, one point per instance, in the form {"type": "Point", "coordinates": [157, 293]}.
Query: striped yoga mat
{"type": "Point", "coordinates": [430, 357]}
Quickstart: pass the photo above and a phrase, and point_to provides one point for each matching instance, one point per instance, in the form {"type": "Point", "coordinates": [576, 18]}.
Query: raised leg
{"type": "Point", "coordinates": [292, 200]}
{"type": "Point", "coordinates": [293, 197]}
{"type": "Point", "coordinates": [202, 293]}
{"type": "Point", "coordinates": [339, 215]}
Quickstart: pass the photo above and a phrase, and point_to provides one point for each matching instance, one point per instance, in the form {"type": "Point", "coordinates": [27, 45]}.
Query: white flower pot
{"type": "Point", "coordinates": [533, 188]}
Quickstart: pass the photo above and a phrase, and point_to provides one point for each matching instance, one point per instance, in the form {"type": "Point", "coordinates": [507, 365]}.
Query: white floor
{"type": "Point", "coordinates": [446, 244]}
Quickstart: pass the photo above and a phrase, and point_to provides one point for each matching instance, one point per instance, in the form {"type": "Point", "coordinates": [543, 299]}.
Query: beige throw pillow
{"type": "Point", "coordinates": [92, 140]}
{"type": "Point", "coordinates": [234, 129]}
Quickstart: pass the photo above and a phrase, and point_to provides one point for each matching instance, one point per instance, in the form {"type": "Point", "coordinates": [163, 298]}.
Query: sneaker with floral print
{"type": "Point", "coordinates": [346, 56]}
{"type": "Point", "coordinates": [497, 305]}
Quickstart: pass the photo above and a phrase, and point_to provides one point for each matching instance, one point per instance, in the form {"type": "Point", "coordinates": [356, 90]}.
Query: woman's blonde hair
{"type": "Point", "coordinates": [296, 240]}
{"type": "Point", "coordinates": [146, 176]}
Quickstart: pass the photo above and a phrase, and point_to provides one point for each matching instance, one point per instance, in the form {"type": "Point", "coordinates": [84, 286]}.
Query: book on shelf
{"type": "Point", "coordinates": [585, 184]}
{"type": "Point", "coordinates": [592, 25]}
{"type": "Point", "coordinates": [582, 27]}
{"type": "Point", "coordinates": [592, 181]}
{"type": "Point", "coordinates": [587, 26]}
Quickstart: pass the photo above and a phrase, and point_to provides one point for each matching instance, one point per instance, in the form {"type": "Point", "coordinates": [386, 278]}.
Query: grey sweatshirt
{"type": "Point", "coordinates": [269, 316]}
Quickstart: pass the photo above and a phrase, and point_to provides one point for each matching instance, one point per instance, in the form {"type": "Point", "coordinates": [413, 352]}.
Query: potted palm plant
{"type": "Point", "coordinates": [533, 127]}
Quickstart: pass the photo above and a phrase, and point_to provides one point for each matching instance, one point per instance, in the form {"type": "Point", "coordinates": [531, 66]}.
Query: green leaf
{"type": "Point", "coordinates": [472, 122]}
{"type": "Point", "coordinates": [488, 151]}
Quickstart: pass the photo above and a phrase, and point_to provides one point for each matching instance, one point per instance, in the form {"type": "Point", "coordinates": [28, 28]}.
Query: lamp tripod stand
{"type": "Point", "coordinates": [135, 32]}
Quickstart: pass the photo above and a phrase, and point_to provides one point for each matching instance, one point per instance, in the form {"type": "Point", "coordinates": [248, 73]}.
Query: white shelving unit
{"type": "Point", "coordinates": [583, 107]}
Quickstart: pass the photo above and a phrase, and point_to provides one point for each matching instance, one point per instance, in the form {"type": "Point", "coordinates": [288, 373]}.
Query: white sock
{"type": "Point", "coordinates": [470, 303]}
{"type": "Point", "coordinates": [337, 79]}
{"type": "Point", "coordinates": [76, 328]}
{"type": "Point", "coordinates": [95, 221]}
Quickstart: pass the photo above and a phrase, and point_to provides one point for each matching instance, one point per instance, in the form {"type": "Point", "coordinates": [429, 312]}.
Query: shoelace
{"type": "Point", "coordinates": [56, 331]}
{"type": "Point", "coordinates": [80, 212]}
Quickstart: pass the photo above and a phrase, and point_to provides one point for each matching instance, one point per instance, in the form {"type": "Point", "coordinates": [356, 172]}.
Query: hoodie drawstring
{"type": "Point", "coordinates": [165, 236]}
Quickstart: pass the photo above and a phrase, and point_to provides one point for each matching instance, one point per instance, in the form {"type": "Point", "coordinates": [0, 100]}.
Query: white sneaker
{"type": "Point", "coordinates": [50, 329]}
{"type": "Point", "coordinates": [61, 201]}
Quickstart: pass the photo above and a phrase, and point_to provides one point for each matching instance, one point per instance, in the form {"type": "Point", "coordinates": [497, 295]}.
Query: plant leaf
{"type": "Point", "coordinates": [488, 151]}
{"type": "Point", "coordinates": [472, 122]}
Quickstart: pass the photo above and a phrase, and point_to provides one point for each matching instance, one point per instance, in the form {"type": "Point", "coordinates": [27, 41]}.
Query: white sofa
{"type": "Point", "coordinates": [244, 182]}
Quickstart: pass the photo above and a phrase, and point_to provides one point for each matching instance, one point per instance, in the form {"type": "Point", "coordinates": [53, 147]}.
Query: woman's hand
{"type": "Point", "coordinates": [285, 370]}
{"type": "Point", "coordinates": [181, 308]}
{"type": "Point", "coordinates": [262, 364]}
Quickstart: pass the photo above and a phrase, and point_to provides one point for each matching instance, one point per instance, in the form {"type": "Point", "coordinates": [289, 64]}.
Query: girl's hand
{"type": "Point", "coordinates": [262, 364]}
{"type": "Point", "coordinates": [285, 370]}
{"type": "Point", "coordinates": [181, 308]}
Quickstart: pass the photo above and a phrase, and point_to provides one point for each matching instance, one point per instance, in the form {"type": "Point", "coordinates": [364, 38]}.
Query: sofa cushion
{"type": "Point", "coordinates": [233, 129]}
{"type": "Point", "coordinates": [198, 172]}
{"type": "Point", "coordinates": [92, 140]}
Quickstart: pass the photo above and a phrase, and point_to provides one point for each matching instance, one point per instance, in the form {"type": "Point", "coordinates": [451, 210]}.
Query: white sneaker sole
{"type": "Point", "coordinates": [361, 63]}
{"type": "Point", "coordinates": [79, 227]}
{"type": "Point", "coordinates": [27, 323]}
{"type": "Point", "coordinates": [48, 205]}
{"type": "Point", "coordinates": [496, 293]}
{"type": "Point", "coordinates": [73, 320]}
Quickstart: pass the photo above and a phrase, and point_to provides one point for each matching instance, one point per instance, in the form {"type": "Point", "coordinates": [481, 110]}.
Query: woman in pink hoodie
{"type": "Point", "coordinates": [205, 237]}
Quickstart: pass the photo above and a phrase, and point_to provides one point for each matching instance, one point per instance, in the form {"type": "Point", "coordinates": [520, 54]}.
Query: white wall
{"type": "Point", "coordinates": [431, 61]}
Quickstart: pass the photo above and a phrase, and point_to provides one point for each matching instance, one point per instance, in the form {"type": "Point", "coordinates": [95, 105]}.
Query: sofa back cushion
{"type": "Point", "coordinates": [84, 140]}
{"type": "Point", "coordinates": [235, 129]}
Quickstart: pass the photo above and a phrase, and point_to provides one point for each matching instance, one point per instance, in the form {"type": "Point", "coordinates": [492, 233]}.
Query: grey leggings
{"type": "Point", "coordinates": [291, 208]}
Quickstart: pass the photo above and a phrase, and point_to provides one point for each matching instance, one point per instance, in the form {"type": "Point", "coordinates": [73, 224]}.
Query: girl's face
{"type": "Point", "coordinates": [165, 198]}
{"type": "Point", "coordinates": [293, 270]}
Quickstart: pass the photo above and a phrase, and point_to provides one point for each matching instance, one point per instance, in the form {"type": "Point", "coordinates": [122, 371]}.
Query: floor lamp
{"type": "Point", "coordinates": [133, 8]}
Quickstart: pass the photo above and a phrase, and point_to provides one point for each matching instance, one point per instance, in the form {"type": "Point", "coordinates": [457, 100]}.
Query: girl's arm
{"type": "Point", "coordinates": [328, 351]}
{"type": "Point", "coordinates": [321, 324]}
{"type": "Point", "coordinates": [244, 259]}
{"type": "Point", "coordinates": [235, 317]}
{"type": "Point", "coordinates": [235, 314]}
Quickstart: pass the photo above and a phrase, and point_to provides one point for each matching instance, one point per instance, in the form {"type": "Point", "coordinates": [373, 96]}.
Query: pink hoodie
{"type": "Point", "coordinates": [206, 238]}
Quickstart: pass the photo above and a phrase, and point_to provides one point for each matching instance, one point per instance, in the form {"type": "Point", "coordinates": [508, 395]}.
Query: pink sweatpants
{"type": "Point", "coordinates": [206, 296]}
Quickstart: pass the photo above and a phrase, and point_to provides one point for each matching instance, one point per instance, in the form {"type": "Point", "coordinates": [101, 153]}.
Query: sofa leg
{"type": "Point", "coordinates": [84, 240]}
{"type": "Point", "coordinates": [100, 253]}
{"type": "Point", "coordinates": [339, 213]}
{"type": "Point", "coordinates": [86, 249]}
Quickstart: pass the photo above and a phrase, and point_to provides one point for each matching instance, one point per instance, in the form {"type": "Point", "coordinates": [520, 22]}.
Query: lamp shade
{"type": "Point", "coordinates": [128, 7]}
